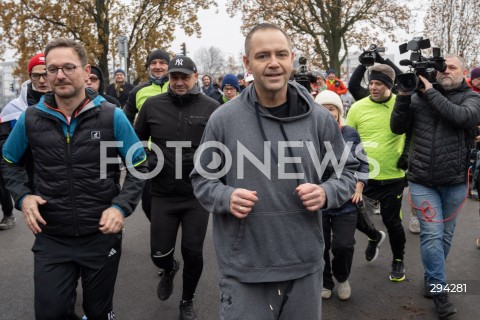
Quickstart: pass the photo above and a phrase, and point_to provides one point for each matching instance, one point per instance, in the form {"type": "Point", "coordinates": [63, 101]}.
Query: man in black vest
{"type": "Point", "coordinates": [76, 208]}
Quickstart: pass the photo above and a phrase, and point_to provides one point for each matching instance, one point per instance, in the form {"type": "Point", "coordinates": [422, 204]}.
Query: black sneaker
{"type": "Point", "coordinates": [398, 271]}
{"type": "Point", "coordinates": [165, 286]}
{"type": "Point", "coordinates": [371, 253]}
{"type": "Point", "coordinates": [186, 310]}
{"type": "Point", "coordinates": [443, 306]}
{"type": "Point", "coordinates": [427, 289]}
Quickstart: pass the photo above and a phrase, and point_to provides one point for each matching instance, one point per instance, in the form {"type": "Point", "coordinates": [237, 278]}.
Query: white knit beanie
{"type": "Point", "coordinates": [330, 97]}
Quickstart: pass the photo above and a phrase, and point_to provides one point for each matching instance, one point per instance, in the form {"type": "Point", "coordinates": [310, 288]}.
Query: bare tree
{"type": "Point", "coordinates": [447, 26]}
{"type": "Point", "coordinates": [210, 61]}
{"type": "Point", "coordinates": [324, 29]}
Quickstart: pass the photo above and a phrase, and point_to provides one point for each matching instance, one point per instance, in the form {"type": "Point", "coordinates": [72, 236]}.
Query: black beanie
{"type": "Point", "coordinates": [96, 71]}
{"type": "Point", "coordinates": [380, 76]}
{"type": "Point", "coordinates": [157, 54]}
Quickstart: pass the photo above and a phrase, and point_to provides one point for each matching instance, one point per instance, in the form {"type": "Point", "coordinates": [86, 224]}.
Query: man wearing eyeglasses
{"type": "Point", "coordinates": [31, 92]}
{"type": "Point", "coordinates": [95, 83]}
{"type": "Point", "coordinates": [77, 208]}
{"type": "Point", "coordinates": [230, 88]}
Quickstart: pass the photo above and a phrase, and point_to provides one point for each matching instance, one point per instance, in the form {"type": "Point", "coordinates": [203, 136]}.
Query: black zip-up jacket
{"type": "Point", "coordinates": [170, 117]}
{"type": "Point", "coordinates": [442, 124]}
{"type": "Point", "coordinates": [67, 162]}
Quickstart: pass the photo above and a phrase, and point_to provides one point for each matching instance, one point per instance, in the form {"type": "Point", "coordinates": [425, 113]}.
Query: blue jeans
{"type": "Point", "coordinates": [436, 234]}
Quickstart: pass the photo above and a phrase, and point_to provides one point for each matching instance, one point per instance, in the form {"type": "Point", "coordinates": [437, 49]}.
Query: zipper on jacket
{"type": "Point", "coordinates": [70, 182]}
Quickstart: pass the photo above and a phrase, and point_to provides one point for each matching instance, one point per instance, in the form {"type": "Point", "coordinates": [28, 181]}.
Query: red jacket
{"type": "Point", "coordinates": [337, 86]}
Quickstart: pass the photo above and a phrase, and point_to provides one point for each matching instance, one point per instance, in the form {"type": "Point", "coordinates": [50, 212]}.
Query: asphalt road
{"type": "Point", "coordinates": [374, 296]}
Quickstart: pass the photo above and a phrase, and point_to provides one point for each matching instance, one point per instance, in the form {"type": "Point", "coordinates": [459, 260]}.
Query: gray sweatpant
{"type": "Point", "coordinates": [286, 300]}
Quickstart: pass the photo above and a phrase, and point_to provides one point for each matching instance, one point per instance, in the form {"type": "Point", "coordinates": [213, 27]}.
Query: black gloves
{"type": "Point", "coordinates": [402, 162]}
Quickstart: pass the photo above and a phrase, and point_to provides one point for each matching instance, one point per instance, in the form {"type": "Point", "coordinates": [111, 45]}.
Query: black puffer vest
{"type": "Point", "coordinates": [67, 169]}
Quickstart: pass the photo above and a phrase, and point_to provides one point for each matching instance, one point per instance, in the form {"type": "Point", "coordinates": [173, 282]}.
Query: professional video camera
{"type": "Point", "coordinates": [368, 57]}
{"type": "Point", "coordinates": [303, 76]}
{"type": "Point", "coordinates": [419, 65]}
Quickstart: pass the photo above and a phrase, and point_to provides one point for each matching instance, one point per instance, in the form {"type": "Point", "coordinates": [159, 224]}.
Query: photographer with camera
{"type": "Point", "coordinates": [370, 116]}
{"type": "Point", "coordinates": [368, 58]}
{"type": "Point", "coordinates": [441, 120]}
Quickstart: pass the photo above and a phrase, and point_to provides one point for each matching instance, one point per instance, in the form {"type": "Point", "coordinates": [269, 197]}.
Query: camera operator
{"type": "Point", "coordinates": [442, 121]}
{"type": "Point", "coordinates": [355, 84]}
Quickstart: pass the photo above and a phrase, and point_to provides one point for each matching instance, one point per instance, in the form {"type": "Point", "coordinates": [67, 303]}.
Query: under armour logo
{"type": "Point", "coordinates": [179, 62]}
{"type": "Point", "coordinates": [95, 135]}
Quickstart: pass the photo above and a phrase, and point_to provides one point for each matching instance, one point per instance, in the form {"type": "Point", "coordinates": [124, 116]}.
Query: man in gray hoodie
{"type": "Point", "coordinates": [271, 146]}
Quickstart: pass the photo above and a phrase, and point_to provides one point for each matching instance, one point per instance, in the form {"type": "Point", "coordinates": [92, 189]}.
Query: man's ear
{"type": "Point", "coordinates": [246, 63]}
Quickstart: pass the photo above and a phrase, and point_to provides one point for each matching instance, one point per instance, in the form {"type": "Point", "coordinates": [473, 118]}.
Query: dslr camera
{"type": "Point", "coordinates": [419, 65]}
{"type": "Point", "coordinates": [302, 76]}
{"type": "Point", "coordinates": [369, 56]}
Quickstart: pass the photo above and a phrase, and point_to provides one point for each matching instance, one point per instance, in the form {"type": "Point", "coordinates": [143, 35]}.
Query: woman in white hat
{"type": "Point", "coordinates": [341, 223]}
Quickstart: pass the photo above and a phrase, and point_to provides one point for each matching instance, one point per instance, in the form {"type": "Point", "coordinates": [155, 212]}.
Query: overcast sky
{"type": "Point", "coordinates": [218, 30]}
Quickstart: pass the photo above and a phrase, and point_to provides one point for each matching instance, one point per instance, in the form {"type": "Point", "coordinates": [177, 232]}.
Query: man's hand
{"type": "Point", "coordinates": [312, 195]}
{"type": "Point", "coordinates": [112, 221]}
{"type": "Point", "coordinates": [242, 202]}
{"type": "Point", "coordinates": [426, 83]}
{"type": "Point", "coordinates": [358, 195]}
{"type": "Point", "coordinates": [30, 212]}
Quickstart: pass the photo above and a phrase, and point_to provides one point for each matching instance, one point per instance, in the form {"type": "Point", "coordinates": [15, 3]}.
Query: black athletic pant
{"type": "Point", "coordinates": [339, 236]}
{"type": "Point", "coordinates": [5, 199]}
{"type": "Point", "coordinates": [390, 193]}
{"type": "Point", "coordinates": [59, 261]}
{"type": "Point", "coordinates": [364, 223]}
{"type": "Point", "coordinates": [147, 199]}
{"type": "Point", "coordinates": [167, 215]}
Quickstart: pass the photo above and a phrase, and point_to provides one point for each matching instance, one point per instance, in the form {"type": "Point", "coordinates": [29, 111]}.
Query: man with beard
{"type": "Point", "coordinates": [76, 208]}
{"type": "Point", "coordinates": [441, 120]}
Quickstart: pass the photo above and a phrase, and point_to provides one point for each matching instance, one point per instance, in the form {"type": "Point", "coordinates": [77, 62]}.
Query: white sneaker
{"type": "Point", "coordinates": [344, 290]}
{"type": "Point", "coordinates": [326, 293]}
{"type": "Point", "coordinates": [414, 224]}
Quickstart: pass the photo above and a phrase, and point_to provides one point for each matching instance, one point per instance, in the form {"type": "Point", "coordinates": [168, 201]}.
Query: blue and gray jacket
{"type": "Point", "coordinates": [70, 163]}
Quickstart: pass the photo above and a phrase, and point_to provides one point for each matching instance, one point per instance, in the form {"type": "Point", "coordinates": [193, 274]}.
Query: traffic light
{"type": "Point", "coordinates": [12, 87]}
{"type": "Point", "coordinates": [183, 48]}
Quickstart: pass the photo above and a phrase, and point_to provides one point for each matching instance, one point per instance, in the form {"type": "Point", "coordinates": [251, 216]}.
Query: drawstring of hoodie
{"type": "Point", "coordinates": [284, 134]}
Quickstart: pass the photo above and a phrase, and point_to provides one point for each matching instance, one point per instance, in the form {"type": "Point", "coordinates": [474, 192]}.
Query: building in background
{"type": "Point", "coordinates": [9, 85]}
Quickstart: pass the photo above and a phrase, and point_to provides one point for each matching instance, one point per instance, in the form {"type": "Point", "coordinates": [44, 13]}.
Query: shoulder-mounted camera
{"type": "Point", "coordinates": [419, 64]}
{"type": "Point", "coordinates": [369, 56]}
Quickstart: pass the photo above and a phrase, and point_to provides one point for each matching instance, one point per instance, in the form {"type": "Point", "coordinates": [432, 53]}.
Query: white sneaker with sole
{"type": "Point", "coordinates": [344, 290]}
{"type": "Point", "coordinates": [414, 224]}
{"type": "Point", "coordinates": [326, 293]}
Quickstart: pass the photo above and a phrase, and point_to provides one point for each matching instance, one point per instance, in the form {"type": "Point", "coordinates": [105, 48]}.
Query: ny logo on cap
{"type": "Point", "coordinates": [179, 62]}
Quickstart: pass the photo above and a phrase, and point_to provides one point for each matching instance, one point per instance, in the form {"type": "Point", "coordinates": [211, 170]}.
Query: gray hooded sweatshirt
{"type": "Point", "coordinates": [279, 240]}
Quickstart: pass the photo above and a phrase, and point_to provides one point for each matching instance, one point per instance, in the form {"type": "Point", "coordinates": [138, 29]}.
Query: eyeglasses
{"type": "Point", "coordinates": [36, 76]}
{"type": "Point", "coordinates": [93, 78]}
{"type": "Point", "coordinates": [229, 89]}
{"type": "Point", "coordinates": [67, 69]}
